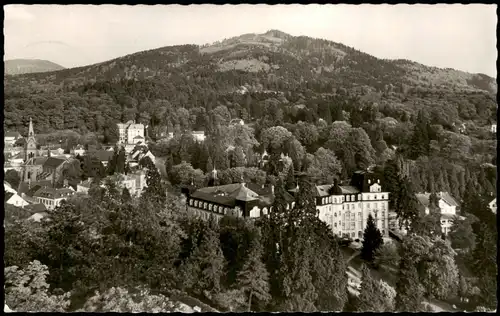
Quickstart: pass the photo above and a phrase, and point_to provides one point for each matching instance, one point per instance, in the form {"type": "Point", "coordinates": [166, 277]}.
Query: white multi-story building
{"type": "Point", "coordinates": [51, 197]}
{"type": "Point", "coordinates": [346, 208]}
{"type": "Point", "coordinates": [130, 133]}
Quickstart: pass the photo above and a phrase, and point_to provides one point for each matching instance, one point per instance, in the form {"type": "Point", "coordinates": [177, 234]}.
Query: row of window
{"type": "Point", "coordinates": [360, 234]}
{"type": "Point", "coordinates": [348, 198]}
{"type": "Point", "coordinates": [209, 206]}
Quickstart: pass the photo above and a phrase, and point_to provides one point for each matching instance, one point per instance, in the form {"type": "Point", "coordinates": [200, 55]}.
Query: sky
{"type": "Point", "coordinates": [447, 36]}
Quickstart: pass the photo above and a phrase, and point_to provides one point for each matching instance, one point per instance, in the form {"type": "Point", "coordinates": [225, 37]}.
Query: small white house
{"type": "Point", "coordinates": [447, 206]}
{"type": "Point", "coordinates": [198, 136]}
{"type": "Point", "coordinates": [15, 199]}
{"type": "Point", "coordinates": [493, 128]}
{"type": "Point", "coordinates": [493, 205]}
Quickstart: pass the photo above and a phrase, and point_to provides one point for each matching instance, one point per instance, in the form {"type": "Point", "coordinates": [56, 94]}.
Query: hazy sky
{"type": "Point", "coordinates": [456, 36]}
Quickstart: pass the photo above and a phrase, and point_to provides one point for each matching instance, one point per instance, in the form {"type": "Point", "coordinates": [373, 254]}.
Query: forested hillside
{"type": "Point", "coordinates": [275, 79]}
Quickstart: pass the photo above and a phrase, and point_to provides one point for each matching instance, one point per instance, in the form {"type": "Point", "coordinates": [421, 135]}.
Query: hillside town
{"type": "Point", "coordinates": [264, 172]}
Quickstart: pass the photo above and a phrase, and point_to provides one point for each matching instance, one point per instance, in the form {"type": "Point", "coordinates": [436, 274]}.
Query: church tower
{"type": "Point", "coordinates": [30, 150]}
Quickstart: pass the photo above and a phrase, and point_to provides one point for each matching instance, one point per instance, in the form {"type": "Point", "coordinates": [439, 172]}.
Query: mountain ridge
{"type": "Point", "coordinates": [279, 42]}
{"type": "Point", "coordinates": [19, 66]}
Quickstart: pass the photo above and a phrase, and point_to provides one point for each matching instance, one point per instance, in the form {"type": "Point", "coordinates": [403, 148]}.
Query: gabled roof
{"type": "Point", "coordinates": [448, 198]}
{"type": "Point", "coordinates": [8, 195]}
{"type": "Point", "coordinates": [35, 208]}
{"type": "Point", "coordinates": [35, 185]}
{"type": "Point", "coordinates": [103, 155]}
{"type": "Point", "coordinates": [322, 190]}
{"type": "Point", "coordinates": [53, 162]}
{"type": "Point", "coordinates": [36, 161]}
{"type": "Point", "coordinates": [51, 193]}
{"type": "Point", "coordinates": [423, 198]}
{"type": "Point", "coordinates": [12, 134]}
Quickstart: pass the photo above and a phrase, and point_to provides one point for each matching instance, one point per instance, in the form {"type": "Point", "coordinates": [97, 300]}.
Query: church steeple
{"type": "Point", "coordinates": [30, 150]}
{"type": "Point", "coordinates": [31, 132]}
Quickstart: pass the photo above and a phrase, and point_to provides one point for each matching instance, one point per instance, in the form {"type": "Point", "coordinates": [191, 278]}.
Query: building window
{"type": "Point", "coordinates": [204, 205]}
{"type": "Point", "coordinates": [353, 235]}
{"type": "Point", "coordinates": [383, 232]}
{"type": "Point", "coordinates": [360, 234]}
{"type": "Point", "coordinates": [375, 196]}
{"type": "Point", "coordinates": [335, 214]}
{"type": "Point", "coordinates": [368, 205]}
{"type": "Point", "coordinates": [353, 198]}
{"type": "Point", "coordinates": [335, 224]}
{"type": "Point", "coordinates": [359, 197]}
{"type": "Point", "coordinates": [343, 224]}
{"type": "Point", "coordinates": [210, 207]}
{"type": "Point", "coordinates": [348, 198]}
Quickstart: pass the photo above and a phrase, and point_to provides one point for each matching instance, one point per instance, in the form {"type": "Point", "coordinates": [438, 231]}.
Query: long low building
{"type": "Point", "coordinates": [345, 208]}
{"type": "Point", "coordinates": [237, 199]}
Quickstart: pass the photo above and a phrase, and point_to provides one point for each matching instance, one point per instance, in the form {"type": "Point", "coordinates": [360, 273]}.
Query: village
{"type": "Point", "coordinates": [345, 208]}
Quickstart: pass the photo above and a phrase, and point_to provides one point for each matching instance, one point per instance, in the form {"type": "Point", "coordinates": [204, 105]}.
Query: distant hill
{"type": "Point", "coordinates": [26, 66]}
{"type": "Point", "coordinates": [243, 72]}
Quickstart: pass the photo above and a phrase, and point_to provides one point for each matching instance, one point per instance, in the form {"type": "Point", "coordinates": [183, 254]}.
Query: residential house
{"type": "Point", "coordinates": [345, 208]}
{"type": "Point", "coordinates": [140, 152]}
{"type": "Point", "coordinates": [131, 133]}
{"type": "Point", "coordinates": [237, 199]}
{"type": "Point", "coordinates": [78, 150]}
{"type": "Point", "coordinates": [493, 205]}
{"type": "Point", "coordinates": [447, 206]}
{"type": "Point", "coordinates": [198, 136]}
{"type": "Point", "coordinates": [10, 138]}
{"type": "Point", "coordinates": [15, 199]}
{"type": "Point", "coordinates": [134, 182]}
{"type": "Point", "coordinates": [84, 186]}
{"type": "Point", "coordinates": [51, 197]}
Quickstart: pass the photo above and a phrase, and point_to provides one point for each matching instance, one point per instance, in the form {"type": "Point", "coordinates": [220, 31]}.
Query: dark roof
{"type": "Point", "coordinates": [423, 198]}
{"type": "Point", "coordinates": [53, 162]}
{"type": "Point", "coordinates": [8, 195]}
{"type": "Point", "coordinates": [35, 185]}
{"type": "Point", "coordinates": [12, 134]}
{"type": "Point", "coordinates": [37, 161]}
{"type": "Point", "coordinates": [229, 194]}
{"type": "Point", "coordinates": [323, 190]}
{"type": "Point", "coordinates": [103, 155]}
{"type": "Point", "coordinates": [35, 208]}
{"type": "Point", "coordinates": [51, 193]}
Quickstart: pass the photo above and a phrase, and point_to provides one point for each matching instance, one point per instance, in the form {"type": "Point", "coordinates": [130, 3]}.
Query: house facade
{"type": "Point", "coordinates": [51, 197]}
{"type": "Point", "coordinates": [130, 133]}
{"type": "Point", "coordinates": [10, 138]}
{"type": "Point", "coordinates": [346, 208]}
{"type": "Point", "coordinates": [447, 206]}
{"type": "Point", "coordinates": [15, 199]}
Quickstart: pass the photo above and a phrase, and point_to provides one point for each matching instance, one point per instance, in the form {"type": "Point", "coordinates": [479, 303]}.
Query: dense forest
{"type": "Point", "coordinates": [314, 107]}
